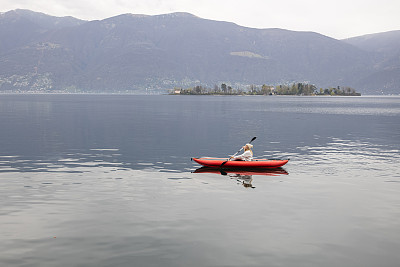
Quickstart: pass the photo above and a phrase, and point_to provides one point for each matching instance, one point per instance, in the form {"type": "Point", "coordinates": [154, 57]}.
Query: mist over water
{"type": "Point", "coordinates": [100, 180]}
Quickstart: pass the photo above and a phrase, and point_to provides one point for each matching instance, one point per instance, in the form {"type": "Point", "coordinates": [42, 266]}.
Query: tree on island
{"type": "Point", "coordinates": [304, 89]}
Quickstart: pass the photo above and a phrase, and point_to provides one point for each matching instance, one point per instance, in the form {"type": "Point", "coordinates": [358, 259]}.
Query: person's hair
{"type": "Point", "coordinates": [249, 146]}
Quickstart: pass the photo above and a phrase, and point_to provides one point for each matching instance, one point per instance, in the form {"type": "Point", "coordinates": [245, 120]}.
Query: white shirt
{"type": "Point", "coordinates": [246, 156]}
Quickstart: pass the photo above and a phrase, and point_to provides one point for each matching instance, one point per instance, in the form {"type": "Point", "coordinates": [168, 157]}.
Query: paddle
{"type": "Point", "coordinates": [223, 163]}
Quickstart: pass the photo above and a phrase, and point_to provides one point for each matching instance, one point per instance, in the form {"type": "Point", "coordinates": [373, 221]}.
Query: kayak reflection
{"type": "Point", "coordinates": [244, 177]}
{"type": "Point", "coordinates": [245, 180]}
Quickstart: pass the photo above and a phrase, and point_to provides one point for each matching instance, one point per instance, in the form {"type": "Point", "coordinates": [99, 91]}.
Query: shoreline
{"type": "Point", "coordinates": [166, 94]}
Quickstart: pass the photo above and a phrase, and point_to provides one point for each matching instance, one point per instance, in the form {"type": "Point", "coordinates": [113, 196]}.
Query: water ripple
{"type": "Point", "coordinates": [340, 156]}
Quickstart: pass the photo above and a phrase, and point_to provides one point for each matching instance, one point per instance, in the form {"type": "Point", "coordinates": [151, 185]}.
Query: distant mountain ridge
{"type": "Point", "coordinates": [154, 53]}
{"type": "Point", "coordinates": [386, 49]}
{"type": "Point", "coordinates": [385, 42]}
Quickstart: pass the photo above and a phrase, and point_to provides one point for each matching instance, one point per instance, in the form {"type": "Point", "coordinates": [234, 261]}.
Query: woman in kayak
{"type": "Point", "coordinates": [247, 154]}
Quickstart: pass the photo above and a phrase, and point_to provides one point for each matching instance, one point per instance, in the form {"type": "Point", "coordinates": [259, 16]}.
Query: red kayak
{"type": "Point", "coordinates": [256, 163]}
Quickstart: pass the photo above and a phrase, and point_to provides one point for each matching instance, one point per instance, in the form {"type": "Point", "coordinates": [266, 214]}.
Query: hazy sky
{"type": "Point", "coordinates": [335, 18]}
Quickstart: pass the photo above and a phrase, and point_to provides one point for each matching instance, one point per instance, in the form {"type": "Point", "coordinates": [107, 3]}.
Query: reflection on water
{"type": "Point", "coordinates": [259, 171]}
{"type": "Point", "coordinates": [245, 180]}
{"type": "Point", "coordinates": [243, 176]}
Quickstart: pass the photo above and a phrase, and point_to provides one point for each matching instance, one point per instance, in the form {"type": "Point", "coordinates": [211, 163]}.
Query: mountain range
{"type": "Point", "coordinates": [140, 53]}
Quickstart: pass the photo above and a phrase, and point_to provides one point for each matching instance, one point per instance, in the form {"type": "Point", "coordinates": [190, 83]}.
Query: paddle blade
{"type": "Point", "coordinates": [223, 163]}
{"type": "Point", "coordinates": [254, 138]}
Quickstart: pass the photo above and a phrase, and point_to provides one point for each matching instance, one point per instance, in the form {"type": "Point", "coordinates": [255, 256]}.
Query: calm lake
{"type": "Point", "coordinates": [107, 180]}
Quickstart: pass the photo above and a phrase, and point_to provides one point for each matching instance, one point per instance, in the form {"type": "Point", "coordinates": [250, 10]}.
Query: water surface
{"type": "Point", "coordinates": [100, 180]}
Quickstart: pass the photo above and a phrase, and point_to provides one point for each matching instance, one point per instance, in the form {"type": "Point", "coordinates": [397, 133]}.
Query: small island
{"type": "Point", "coordinates": [298, 89]}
